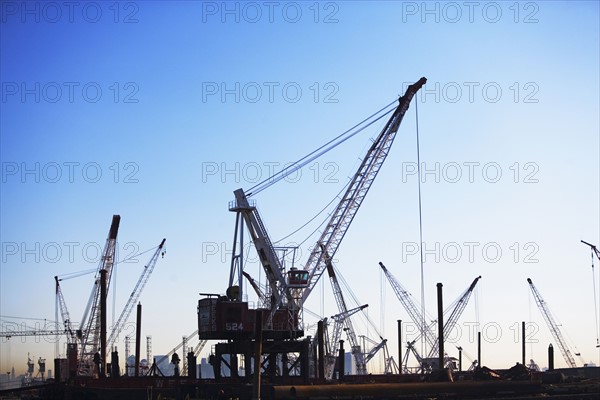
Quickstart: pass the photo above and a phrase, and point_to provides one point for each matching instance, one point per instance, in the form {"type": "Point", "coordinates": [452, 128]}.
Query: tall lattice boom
{"type": "Point", "coordinates": [90, 336]}
{"type": "Point", "coordinates": [562, 345]}
{"type": "Point", "coordinates": [361, 182]}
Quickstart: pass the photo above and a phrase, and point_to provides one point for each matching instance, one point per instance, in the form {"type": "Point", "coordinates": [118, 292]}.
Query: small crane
{"type": "Point", "coordinates": [595, 252]}
{"type": "Point", "coordinates": [334, 340]}
{"type": "Point", "coordinates": [427, 330]}
{"type": "Point", "coordinates": [455, 315]}
{"type": "Point", "coordinates": [91, 321]}
{"type": "Point", "coordinates": [409, 305]}
{"type": "Point", "coordinates": [361, 367]}
{"type": "Point", "coordinates": [562, 345]}
{"type": "Point", "coordinates": [135, 295]}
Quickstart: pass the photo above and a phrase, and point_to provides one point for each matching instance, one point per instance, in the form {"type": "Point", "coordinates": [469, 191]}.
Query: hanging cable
{"type": "Point", "coordinates": [595, 300]}
{"type": "Point", "coordinates": [569, 342]}
{"type": "Point", "coordinates": [320, 225]}
{"type": "Point", "coordinates": [26, 318]}
{"type": "Point", "coordinates": [322, 297]}
{"type": "Point", "coordinates": [423, 344]}
{"type": "Point", "coordinates": [114, 293]}
{"type": "Point", "coordinates": [72, 275]}
{"type": "Point", "coordinates": [77, 274]}
{"type": "Point", "coordinates": [531, 342]}
{"type": "Point", "coordinates": [319, 151]}
{"type": "Point", "coordinates": [337, 196]}
{"type": "Point", "coordinates": [137, 255]}
{"type": "Point", "coordinates": [355, 302]}
{"type": "Point", "coordinates": [477, 307]}
{"type": "Point", "coordinates": [594, 251]}
{"type": "Point", "coordinates": [382, 299]}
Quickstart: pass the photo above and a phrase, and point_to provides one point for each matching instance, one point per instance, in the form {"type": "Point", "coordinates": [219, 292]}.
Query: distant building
{"type": "Point", "coordinates": [145, 365]}
{"type": "Point", "coordinates": [9, 380]}
{"type": "Point", "coordinates": [349, 367]}
{"type": "Point", "coordinates": [130, 366]}
{"type": "Point", "coordinates": [206, 370]}
{"type": "Point", "coordinates": [164, 364]}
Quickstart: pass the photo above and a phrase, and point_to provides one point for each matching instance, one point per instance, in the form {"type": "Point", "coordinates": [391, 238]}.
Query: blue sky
{"type": "Point", "coordinates": [157, 111]}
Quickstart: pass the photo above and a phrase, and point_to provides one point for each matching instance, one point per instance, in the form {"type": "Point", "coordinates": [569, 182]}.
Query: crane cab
{"type": "Point", "coordinates": [297, 278]}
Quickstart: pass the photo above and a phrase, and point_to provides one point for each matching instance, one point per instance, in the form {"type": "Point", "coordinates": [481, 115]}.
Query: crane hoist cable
{"type": "Point", "coordinates": [382, 285]}
{"type": "Point", "coordinates": [594, 252]}
{"type": "Point", "coordinates": [595, 302]}
{"type": "Point", "coordinates": [114, 291]}
{"type": "Point", "coordinates": [77, 274]}
{"type": "Point", "coordinates": [530, 319]}
{"type": "Point", "coordinates": [336, 197]}
{"type": "Point", "coordinates": [595, 297]}
{"type": "Point", "coordinates": [341, 138]}
{"type": "Point", "coordinates": [477, 313]}
{"type": "Point", "coordinates": [423, 344]}
{"type": "Point", "coordinates": [313, 218]}
{"type": "Point", "coordinates": [140, 254]}
{"type": "Point", "coordinates": [26, 318]}
{"type": "Point", "coordinates": [362, 312]}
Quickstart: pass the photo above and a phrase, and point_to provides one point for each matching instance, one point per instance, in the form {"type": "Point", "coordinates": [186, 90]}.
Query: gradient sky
{"type": "Point", "coordinates": [158, 111]}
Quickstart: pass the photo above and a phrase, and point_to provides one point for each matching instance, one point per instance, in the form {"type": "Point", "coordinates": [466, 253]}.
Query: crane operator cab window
{"type": "Point", "coordinates": [297, 278]}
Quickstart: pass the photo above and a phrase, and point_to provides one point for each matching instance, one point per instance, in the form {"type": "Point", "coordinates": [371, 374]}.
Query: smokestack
{"type": "Point", "coordinates": [57, 371]}
{"type": "Point", "coordinates": [440, 325]}
{"type": "Point", "coordinates": [550, 357]}
{"type": "Point", "coordinates": [114, 364]}
{"type": "Point", "coordinates": [523, 340]}
{"type": "Point", "coordinates": [72, 359]}
{"type": "Point", "coordinates": [400, 346]}
{"type": "Point", "coordinates": [479, 364]}
{"type": "Point", "coordinates": [192, 364]}
{"type": "Point", "coordinates": [341, 361]}
{"type": "Point", "coordinates": [103, 323]}
{"type": "Point", "coordinates": [321, 349]}
{"type": "Point", "coordinates": [138, 339]}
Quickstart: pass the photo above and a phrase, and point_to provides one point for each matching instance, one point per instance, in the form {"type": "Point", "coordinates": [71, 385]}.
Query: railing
{"type": "Point", "coordinates": [234, 206]}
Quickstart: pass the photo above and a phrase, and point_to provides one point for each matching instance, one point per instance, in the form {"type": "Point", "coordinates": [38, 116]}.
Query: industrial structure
{"type": "Point", "coordinates": [266, 345]}
{"type": "Point", "coordinates": [430, 362]}
{"type": "Point", "coordinates": [278, 320]}
{"type": "Point", "coordinates": [88, 344]}
{"type": "Point", "coordinates": [553, 326]}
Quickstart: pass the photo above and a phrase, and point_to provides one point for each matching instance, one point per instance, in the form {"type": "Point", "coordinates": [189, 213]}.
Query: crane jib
{"type": "Point", "coordinates": [362, 180]}
{"type": "Point", "coordinates": [285, 294]}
